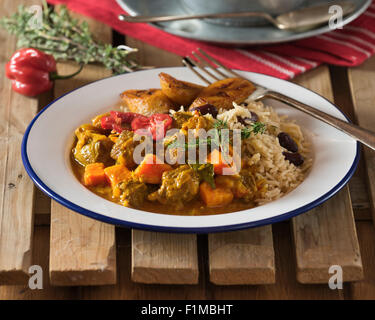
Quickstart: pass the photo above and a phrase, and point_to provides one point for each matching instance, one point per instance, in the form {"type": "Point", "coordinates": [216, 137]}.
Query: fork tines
{"type": "Point", "coordinates": [209, 66]}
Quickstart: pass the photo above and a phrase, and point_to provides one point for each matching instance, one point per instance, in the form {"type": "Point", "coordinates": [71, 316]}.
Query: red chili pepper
{"type": "Point", "coordinates": [33, 71]}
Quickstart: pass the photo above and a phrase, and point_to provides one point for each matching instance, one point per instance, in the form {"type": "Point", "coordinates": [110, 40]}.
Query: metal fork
{"type": "Point", "coordinates": [210, 67]}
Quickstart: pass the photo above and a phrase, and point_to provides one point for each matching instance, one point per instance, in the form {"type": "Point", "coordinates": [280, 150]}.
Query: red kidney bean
{"type": "Point", "coordinates": [207, 108]}
{"type": "Point", "coordinates": [287, 142]}
{"type": "Point", "coordinates": [294, 158]}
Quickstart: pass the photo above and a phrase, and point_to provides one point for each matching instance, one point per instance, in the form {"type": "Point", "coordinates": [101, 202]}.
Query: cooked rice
{"type": "Point", "coordinates": [264, 151]}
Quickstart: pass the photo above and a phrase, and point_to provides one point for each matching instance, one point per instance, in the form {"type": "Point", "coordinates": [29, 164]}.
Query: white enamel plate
{"type": "Point", "coordinates": [49, 137]}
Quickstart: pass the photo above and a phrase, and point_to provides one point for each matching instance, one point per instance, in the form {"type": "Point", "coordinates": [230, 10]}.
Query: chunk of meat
{"type": "Point", "coordinates": [223, 93]}
{"type": "Point", "coordinates": [92, 146]}
{"type": "Point", "coordinates": [132, 193]}
{"type": "Point", "coordinates": [180, 92]}
{"type": "Point", "coordinates": [123, 149]}
{"type": "Point", "coordinates": [178, 186]}
{"type": "Point", "coordinates": [147, 102]}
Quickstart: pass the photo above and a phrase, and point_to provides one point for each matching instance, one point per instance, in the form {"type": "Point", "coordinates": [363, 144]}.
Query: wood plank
{"type": "Point", "coordinates": [242, 257]}
{"type": "Point", "coordinates": [164, 258]}
{"type": "Point", "coordinates": [82, 250]}
{"type": "Point", "coordinates": [362, 85]}
{"type": "Point", "coordinates": [17, 190]}
{"type": "Point", "coordinates": [159, 257]}
{"type": "Point", "coordinates": [365, 290]}
{"type": "Point", "coordinates": [40, 257]}
{"type": "Point", "coordinates": [327, 234]}
{"type": "Point", "coordinates": [286, 286]}
{"type": "Point", "coordinates": [127, 289]}
{"type": "Point", "coordinates": [357, 184]}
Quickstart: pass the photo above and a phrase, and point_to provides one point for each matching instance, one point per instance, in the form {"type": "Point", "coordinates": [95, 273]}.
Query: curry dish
{"type": "Point", "coordinates": [274, 154]}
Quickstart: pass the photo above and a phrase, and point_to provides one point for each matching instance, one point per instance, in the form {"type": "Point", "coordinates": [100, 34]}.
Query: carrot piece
{"type": "Point", "coordinates": [217, 197]}
{"type": "Point", "coordinates": [151, 172]}
{"type": "Point", "coordinates": [116, 174]}
{"type": "Point", "coordinates": [219, 163]}
{"type": "Point", "coordinates": [94, 175]}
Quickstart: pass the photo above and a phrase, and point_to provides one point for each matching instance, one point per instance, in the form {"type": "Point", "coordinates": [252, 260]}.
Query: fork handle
{"type": "Point", "coordinates": [365, 136]}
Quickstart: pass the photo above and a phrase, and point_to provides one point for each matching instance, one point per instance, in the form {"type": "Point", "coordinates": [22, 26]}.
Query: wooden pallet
{"type": "Point", "coordinates": [83, 251]}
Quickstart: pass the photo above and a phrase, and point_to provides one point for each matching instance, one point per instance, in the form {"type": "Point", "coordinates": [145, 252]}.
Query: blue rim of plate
{"type": "Point", "coordinates": [97, 216]}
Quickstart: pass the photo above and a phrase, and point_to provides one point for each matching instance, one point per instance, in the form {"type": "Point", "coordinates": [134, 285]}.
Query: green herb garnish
{"type": "Point", "coordinates": [205, 172]}
{"type": "Point", "coordinates": [220, 124]}
{"type": "Point", "coordinates": [255, 128]}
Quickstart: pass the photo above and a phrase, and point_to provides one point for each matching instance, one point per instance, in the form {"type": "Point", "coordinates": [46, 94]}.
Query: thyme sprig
{"type": "Point", "coordinates": [255, 128]}
{"type": "Point", "coordinates": [66, 38]}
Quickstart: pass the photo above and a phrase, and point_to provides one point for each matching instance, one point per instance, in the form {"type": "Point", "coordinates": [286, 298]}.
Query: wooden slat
{"type": "Point", "coordinates": [159, 257]}
{"type": "Point", "coordinates": [242, 257]}
{"type": "Point", "coordinates": [326, 235]}
{"type": "Point", "coordinates": [365, 290]}
{"type": "Point", "coordinates": [40, 257]}
{"type": "Point", "coordinates": [362, 85]}
{"type": "Point", "coordinates": [82, 250]}
{"type": "Point", "coordinates": [164, 258]}
{"type": "Point", "coordinates": [16, 198]}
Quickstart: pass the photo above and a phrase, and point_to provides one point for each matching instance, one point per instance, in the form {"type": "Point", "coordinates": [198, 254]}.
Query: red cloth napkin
{"type": "Point", "coordinates": [349, 46]}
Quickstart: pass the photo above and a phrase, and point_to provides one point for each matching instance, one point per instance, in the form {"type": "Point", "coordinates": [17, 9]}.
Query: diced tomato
{"type": "Point", "coordinates": [124, 117]}
{"type": "Point", "coordinates": [159, 124]}
{"type": "Point", "coordinates": [119, 121]}
{"type": "Point", "coordinates": [156, 125]}
{"type": "Point", "coordinates": [140, 123]}
{"type": "Point", "coordinates": [107, 123]}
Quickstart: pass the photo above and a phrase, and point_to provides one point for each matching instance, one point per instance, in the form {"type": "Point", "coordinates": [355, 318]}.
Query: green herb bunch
{"type": "Point", "coordinates": [66, 38]}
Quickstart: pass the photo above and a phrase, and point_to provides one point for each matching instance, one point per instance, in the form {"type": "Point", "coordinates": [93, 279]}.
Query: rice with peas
{"type": "Point", "coordinates": [264, 152]}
